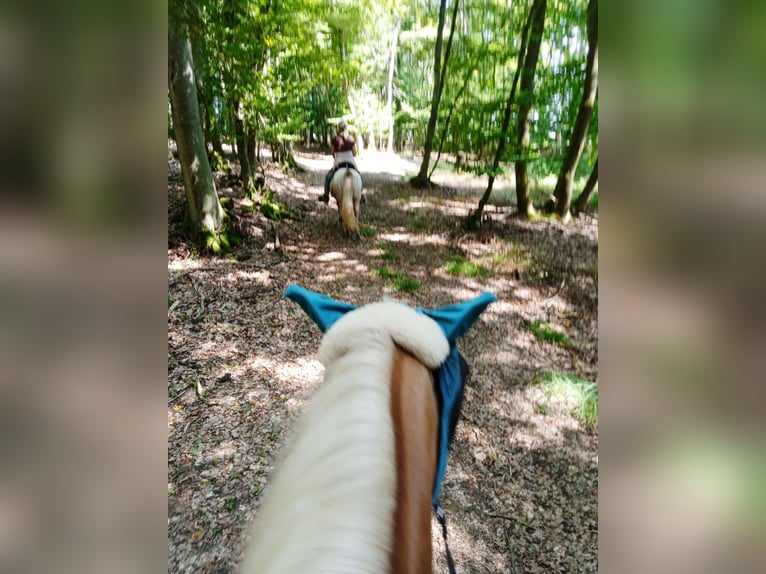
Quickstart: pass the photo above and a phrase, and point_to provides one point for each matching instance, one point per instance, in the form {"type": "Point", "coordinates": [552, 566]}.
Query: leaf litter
{"type": "Point", "coordinates": [521, 487]}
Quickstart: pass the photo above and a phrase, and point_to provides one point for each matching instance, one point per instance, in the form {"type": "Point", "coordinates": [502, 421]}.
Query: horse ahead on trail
{"type": "Point", "coordinates": [355, 490]}
{"type": "Point", "coordinates": [346, 188]}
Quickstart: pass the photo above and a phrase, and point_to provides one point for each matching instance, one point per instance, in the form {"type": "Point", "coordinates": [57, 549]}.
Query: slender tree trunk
{"type": "Point", "coordinates": [474, 219]}
{"type": "Point", "coordinates": [250, 146]}
{"type": "Point", "coordinates": [563, 191]}
{"type": "Point", "coordinates": [203, 206]}
{"type": "Point", "coordinates": [241, 137]}
{"type": "Point", "coordinates": [582, 202]}
{"type": "Point", "coordinates": [440, 69]}
{"type": "Point", "coordinates": [523, 201]}
{"type": "Point", "coordinates": [390, 90]}
{"type": "Point", "coordinates": [449, 114]}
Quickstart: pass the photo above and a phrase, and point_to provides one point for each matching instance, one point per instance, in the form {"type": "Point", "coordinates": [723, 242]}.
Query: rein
{"type": "Point", "coordinates": [442, 518]}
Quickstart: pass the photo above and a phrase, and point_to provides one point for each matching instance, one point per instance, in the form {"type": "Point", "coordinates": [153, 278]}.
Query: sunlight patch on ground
{"type": "Point", "coordinates": [413, 240]}
{"type": "Point", "coordinates": [370, 161]}
{"type": "Point", "coordinates": [331, 256]}
{"type": "Point", "coordinates": [207, 349]}
{"type": "Point", "coordinates": [260, 277]}
{"type": "Point", "coordinates": [462, 292]}
{"type": "Point", "coordinates": [184, 264]}
{"type": "Point", "coordinates": [300, 371]}
{"type": "Point", "coordinates": [223, 451]}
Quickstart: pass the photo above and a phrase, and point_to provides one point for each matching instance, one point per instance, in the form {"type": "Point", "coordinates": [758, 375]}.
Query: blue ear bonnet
{"type": "Point", "coordinates": [454, 321]}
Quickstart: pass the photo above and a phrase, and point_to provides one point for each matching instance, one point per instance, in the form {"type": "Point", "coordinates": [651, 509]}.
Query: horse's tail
{"type": "Point", "coordinates": [347, 202]}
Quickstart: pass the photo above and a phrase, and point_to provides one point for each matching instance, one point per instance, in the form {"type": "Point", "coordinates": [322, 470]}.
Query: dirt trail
{"type": "Point", "coordinates": [522, 481]}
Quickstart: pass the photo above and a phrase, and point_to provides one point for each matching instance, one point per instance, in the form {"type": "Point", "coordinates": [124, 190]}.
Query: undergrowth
{"type": "Point", "coordinates": [546, 332]}
{"type": "Point", "coordinates": [581, 395]}
{"type": "Point", "coordinates": [457, 265]}
{"type": "Point", "coordinates": [399, 280]}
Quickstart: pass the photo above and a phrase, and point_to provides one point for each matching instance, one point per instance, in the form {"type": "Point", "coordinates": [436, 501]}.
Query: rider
{"type": "Point", "coordinates": [343, 150]}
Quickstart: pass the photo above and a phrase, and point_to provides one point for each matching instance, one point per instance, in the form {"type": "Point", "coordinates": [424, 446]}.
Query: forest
{"type": "Point", "coordinates": [476, 124]}
{"type": "Point", "coordinates": [496, 86]}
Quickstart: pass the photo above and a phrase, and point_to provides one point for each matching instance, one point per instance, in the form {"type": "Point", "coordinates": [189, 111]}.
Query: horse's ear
{"type": "Point", "coordinates": [323, 310]}
{"type": "Point", "coordinates": [455, 320]}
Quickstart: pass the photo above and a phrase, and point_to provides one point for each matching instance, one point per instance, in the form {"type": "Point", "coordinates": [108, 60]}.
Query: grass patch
{"type": "Point", "coordinates": [386, 273]}
{"type": "Point", "coordinates": [546, 332]}
{"type": "Point", "coordinates": [418, 220]}
{"type": "Point", "coordinates": [388, 254]}
{"type": "Point", "coordinates": [367, 231]}
{"type": "Point", "coordinates": [514, 254]}
{"type": "Point", "coordinates": [580, 394]}
{"type": "Point", "coordinates": [399, 280]}
{"type": "Point", "coordinates": [457, 265]}
{"type": "Point", "coordinates": [407, 284]}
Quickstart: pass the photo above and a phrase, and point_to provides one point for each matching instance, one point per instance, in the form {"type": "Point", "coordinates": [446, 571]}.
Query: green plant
{"type": "Point", "coordinates": [399, 280]}
{"type": "Point", "coordinates": [386, 273]}
{"type": "Point", "coordinates": [546, 332]}
{"type": "Point", "coordinates": [420, 223]}
{"type": "Point", "coordinates": [457, 265]}
{"type": "Point", "coordinates": [387, 254]}
{"type": "Point", "coordinates": [367, 231]}
{"type": "Point", "coordinates": [222, 241]}
{"type": "Point", "coordinates": [593, 202]}
{"type": "Point", "coordinates": [580, 394]}
{"type": "Point", "coordinates": [272, 209]}
{"type": "Point", "coordinates": [407, 284]}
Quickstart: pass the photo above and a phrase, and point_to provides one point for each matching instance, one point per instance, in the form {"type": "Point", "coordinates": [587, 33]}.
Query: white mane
{"type": "Point", "coordinates": [330, 506]}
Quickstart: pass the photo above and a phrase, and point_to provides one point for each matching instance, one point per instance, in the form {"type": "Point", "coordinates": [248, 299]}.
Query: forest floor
{"type": "Point", "coordinates": [521, 487]}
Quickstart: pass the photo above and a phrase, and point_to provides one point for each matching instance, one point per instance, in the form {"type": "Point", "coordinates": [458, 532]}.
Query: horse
{"type": "Point", "coordinates": [354, 491]}
{"type": "Point", "coordinates": [346, 188]}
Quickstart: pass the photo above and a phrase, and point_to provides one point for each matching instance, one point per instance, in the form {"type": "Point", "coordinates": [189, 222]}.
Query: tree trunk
{"type": "Point", "coordinates": [250, 146]}
{"type": "Point", "coordinates": [523, 201]}
{"type": "Point", "coordinates": [241, 137]}
{"type": "Point", "coordinates": [203, 206]}
{"type": "Point", "coordinates": [474, 219]}
{"type": "Point", "coordinates": [449, 114]}
{"type": "Point", "coordinates": [390, 89]}
{"type": "Point", "coordinates": [440, 68]}
{"type": "Point", "coordinates": [563, 191]}
{"type": "Point", "coordinates": [582, 202]}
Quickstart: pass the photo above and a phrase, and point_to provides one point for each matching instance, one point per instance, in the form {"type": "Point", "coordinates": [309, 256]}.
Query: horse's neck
{"type": "Point", "coordinates": [415, 415]}
{"type": "Point", "coordinates": [331, 507]}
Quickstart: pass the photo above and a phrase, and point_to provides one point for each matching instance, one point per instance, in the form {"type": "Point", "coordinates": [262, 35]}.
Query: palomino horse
{"type": "Point", "coordinates": [355, 489]}
{"type": "Point", "coordinates": [346, 188]}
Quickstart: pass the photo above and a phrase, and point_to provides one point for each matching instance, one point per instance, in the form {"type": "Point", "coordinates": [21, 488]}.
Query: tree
{"type": "Point", "coordinates": [582, 202]}
{"type": "Point", "coordinates": [563, 191]}
{"type": "Point", "coordinates": [474, 219]}
{"type": "Point", "coordinates": [390, 88]}
{"type": "Point", "coordinates": [440, 72]}
{"type": "Point", "coordinates": [203, 206]}
{"type": "Point", "coordinates": [523, 201]}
